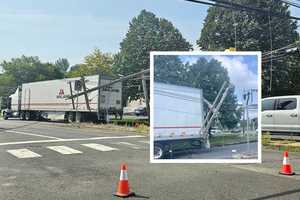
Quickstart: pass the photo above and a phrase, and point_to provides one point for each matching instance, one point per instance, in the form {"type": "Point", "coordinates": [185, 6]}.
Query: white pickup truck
{"type": "Point", "coordinates": [281, 114]}
{"type": "Point", "coordinates": [178, 115]}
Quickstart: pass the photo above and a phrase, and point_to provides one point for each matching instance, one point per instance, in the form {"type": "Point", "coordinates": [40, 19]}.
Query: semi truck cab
{"type": "Point", "coordinates": [6, 107]}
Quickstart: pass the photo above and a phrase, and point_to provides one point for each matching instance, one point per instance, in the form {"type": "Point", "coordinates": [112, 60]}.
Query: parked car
{"type": "Point", "coordinates": [215, 131]}
{"type": "Point", "coordinates": [281, 114]}
{"type": "Point", "coordinates": [142, 111]}
{"type": "Point", "coordinates": [236, 130]}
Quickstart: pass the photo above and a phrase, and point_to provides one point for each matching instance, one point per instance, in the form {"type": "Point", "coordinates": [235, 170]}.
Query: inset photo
{"type": "Point", "coordinates": [205, 107]}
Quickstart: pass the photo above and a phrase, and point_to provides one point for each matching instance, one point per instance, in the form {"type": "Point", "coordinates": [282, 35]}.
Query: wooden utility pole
{"type": "Point", "coordinates": [71, 93]}
{"type": "Point", "coordinates": [98, 103]}
{"type": "Point", "coordinates": [146, 95]}
{"type": "Point", "coordinates": [85, 93]}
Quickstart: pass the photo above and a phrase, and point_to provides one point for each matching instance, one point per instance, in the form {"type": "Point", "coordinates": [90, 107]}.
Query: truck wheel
{"type": "Point", "coordinates": [71, 117]}
{"type": "Point", "coordinates": [5, 117]}
{"type": "Point", "coordinates": [27, 116]}
{"type": "Point", "coordinates": [158, 151]}
{"type": "Point", "coordinates": [22, 116]}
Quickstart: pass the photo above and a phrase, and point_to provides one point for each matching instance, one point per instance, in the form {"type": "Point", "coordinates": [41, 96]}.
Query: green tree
{"type": "Point", "coordinates": [63, 64]}
{"type": "Point", "coordinates": [94, 63]}
{"type": "Point", "coordinates": [26, 69]}
{"type": "Point", "coordinates": [168, 69]}
{"type": "Point", "coordinates": [206, 75]}
{"type": "Point", "coordinates": [146, 33]}
{"type": "Point", "coordinates": [253, 34]}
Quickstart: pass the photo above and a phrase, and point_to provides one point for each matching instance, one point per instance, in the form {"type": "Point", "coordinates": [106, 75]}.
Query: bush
{"type": "Point", "coordinates": [142, 128]}
{"type": "Point", "coordinates": [266, 138]}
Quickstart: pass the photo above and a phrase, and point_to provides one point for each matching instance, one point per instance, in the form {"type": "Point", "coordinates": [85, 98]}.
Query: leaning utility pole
{"type": "Point", "coordinates": [98, 103]}
{"type": "Point", "coordinates": [85, 93]}
{"type": "Point", "coordinates": [146, 95]}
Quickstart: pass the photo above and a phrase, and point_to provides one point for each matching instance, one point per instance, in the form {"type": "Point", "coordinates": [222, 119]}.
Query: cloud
{"type": "Point", "coordinates": [189, 59]}
{"type": "Point", "coordinates": [240, 74]}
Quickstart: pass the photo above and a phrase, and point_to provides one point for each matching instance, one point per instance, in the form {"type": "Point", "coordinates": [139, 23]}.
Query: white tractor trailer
{"type": "Point", "coordinates": [37, 100]}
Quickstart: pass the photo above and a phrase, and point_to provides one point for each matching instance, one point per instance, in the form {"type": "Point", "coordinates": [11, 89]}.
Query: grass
{"type": "Point", "coordinates": [284, 146]}
{"type": "Point", "coordinates": [219, 140]}
{"type": "Point", "coordinates": [129, 122]}
{"type": "Point", "coordinates": [281, 145]}
{"type": "Point", "coordinates": [138, 128]}
{"type": "Point", "coordinates": [228, 139]}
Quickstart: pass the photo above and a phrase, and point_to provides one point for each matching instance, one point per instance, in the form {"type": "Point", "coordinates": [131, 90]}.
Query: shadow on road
{"type": "Point", "coordinates": [140, 196]}
{"type": "Point", "coordinates": [22, 126]}
{"type": "Point", "coordinates": [277, 194]}
{"type": "Point", "coordinates": [31, 123]}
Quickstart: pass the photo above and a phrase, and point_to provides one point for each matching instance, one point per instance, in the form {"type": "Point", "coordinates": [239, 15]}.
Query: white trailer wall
{"type": "Point", "coordinates": [51, 95]}
{"type": "Point", "coordinates": [178, 112]}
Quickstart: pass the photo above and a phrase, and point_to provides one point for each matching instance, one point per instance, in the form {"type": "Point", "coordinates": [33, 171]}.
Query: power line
{"type": "Point", "coordinates": [281, 52]}
{"type": "Point", "coordinates": [235, 6]}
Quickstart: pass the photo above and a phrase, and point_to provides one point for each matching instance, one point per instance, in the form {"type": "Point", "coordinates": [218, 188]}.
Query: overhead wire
{"type": "Point", "coordinates": [230, 5]}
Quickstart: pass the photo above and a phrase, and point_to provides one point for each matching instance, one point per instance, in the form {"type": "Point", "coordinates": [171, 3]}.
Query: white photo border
{"type": "Point", "coordinates": [205, 53]}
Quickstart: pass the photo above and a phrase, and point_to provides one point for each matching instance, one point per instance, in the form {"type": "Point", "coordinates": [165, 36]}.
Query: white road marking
{"type": "Point", "coordinates": [145, 141]}
{"type": "Point", "coordinates": [134, 146]}
{"type": "Point", "coordinates": [64, 150]}
{"type": "Point", "coordinates": [99, 147]}
{"type": "Point", "coordinates": [70, 140]}
{"type": "Point", "coordinates": [33, 134]}
{"type": "Point", "coordinates": [23, 153]}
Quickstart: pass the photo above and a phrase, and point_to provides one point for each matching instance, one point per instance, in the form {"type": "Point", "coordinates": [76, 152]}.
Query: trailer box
{"type": "Point", "coordinates": [178, 116]}
{"type": "Point", "coordinates": [52, 96]}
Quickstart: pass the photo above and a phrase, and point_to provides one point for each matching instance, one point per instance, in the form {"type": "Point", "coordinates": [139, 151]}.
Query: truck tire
{"type": "Point", "coordinates": [22, 116]}
{"type": "Point", "coordinates": [5, 117]}
{"type": "Point", "coordinates": [71, 117]}
{"type": "Point", "coordinates": [159, 151]}
{"type": "Point", "coordinates": [27, 116]}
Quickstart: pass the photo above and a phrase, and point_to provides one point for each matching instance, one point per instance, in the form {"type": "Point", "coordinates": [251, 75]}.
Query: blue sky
{"type": "Point", "coordinates": [242, 70]}
{"type": "Point", "coordinates": [53, 28]}
{"type": "Point", "coordinates": [71, 29]}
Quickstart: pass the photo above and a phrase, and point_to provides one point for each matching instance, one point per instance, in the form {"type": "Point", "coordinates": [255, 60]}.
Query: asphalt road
{"type": "Point", "coordinates": [235, 151]}
{"type": "Point", "coordinates": [77, 171]}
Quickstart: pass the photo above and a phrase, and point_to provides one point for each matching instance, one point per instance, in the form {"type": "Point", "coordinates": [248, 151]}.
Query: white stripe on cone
{"type": "Point", "coordinates": [123, 175]}
{"type": "Point", "coordinates": [285, 160]}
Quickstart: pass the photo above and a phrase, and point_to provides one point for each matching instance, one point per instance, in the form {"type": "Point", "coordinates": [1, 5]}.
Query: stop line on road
{"type": "Point", "coordinates": [65, 150]}
{"type": "Point", "coordinates": [99, 147]}
{"type": "Point", "coordinates": [23, 153]}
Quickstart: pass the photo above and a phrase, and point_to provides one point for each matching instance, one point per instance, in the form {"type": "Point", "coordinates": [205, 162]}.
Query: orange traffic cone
{"type": "Point", "coordinates": [286, 168]}
{"type": "Point", "coordinates": [123, 185]}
